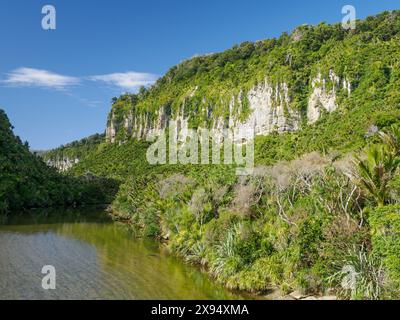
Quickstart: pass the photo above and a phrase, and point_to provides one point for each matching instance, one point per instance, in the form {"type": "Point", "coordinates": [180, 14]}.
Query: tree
{"type": "Point", "coordinates": [375, 172]}
{"type": "Point", "coordinates": [391, 138]}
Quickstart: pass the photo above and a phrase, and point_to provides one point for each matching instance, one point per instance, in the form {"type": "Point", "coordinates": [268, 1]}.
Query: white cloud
{"type": "Point", "coordinates": [29, 77]}
{"type": "Point", "coordinates": [128, 80]}
{"type": "Point", "coordinates": [24, 77]}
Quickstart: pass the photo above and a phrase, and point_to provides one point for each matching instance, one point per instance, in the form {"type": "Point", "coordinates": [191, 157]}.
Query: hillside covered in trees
{"type": "Point", "coordinates": [27, 182]}
{"type": "Point", "coordinates": [323, 201]}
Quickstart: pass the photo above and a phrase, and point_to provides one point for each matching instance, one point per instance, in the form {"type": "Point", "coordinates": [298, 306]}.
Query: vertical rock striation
{"type": "Point", "coordinates": [270, 110]}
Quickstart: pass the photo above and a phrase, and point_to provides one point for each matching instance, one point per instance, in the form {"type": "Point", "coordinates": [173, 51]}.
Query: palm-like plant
{"type": "Point", "coordinates": [391, 139]}
{"type": "Point", "coordinates": [375, 172]}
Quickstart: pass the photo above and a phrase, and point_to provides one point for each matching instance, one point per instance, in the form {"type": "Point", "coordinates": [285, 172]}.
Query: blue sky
{"type": "Point", "coordinates": [56, 85]}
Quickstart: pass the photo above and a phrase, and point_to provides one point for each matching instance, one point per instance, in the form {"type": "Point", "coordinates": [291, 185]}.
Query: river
{"type": "Point", "coordinates": [93, 258]}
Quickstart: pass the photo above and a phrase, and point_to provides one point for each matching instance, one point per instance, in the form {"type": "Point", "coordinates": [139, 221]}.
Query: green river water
{"type": "Point", "coordinates": [94, 258]}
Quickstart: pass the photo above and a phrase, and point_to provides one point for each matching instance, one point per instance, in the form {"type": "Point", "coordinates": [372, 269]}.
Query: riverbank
{"type": "Point", "coordinates": [272, 293]}
{"type": "Point", "coordinates": [297, 225]}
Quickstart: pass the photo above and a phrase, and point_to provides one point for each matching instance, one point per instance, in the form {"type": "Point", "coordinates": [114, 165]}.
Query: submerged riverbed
{"type": "Point", "coordinates": [94, 258]}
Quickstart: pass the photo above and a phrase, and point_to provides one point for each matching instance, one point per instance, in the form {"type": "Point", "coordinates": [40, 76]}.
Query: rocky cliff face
{"type": "Point", "coordinates": [323, 98]}
{"type": "Point", "coordinates": [270, 110]}
{"type": "Point", "coordinates": [66, 156]}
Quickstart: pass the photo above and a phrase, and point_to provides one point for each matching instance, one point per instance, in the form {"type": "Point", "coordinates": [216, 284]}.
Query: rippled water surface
{"type": "Point", "coordinates": [94, 259]}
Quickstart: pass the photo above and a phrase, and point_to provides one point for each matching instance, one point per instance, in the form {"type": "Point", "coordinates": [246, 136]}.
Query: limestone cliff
{"type": "Point", "coordinates": [270, 110]}
{"type": "Point", "coordinates": [323, 98]}
{"type": "Point", "coordinates": [66, 156]}
{"type": "Point", "coordinates": [270, 86]}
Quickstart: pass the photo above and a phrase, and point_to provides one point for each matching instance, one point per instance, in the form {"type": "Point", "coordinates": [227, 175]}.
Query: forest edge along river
{"type": "Point", "coordinates": [94, 258]}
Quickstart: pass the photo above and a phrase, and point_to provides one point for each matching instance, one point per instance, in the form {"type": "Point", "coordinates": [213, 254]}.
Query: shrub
{"type": "Point", "coordinates": [361, 276]}
{"type": "Point", "coordinates": [385, 229]}
{"type": "Point", "coordinates": [374, 173]}
{"type": "Point", "coordinates": [262, 275]}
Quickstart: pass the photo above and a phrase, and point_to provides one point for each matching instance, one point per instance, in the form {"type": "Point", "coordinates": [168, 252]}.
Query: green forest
{"type": "Point", "coordinates": [27, 182]}
{"type": "Point", "coordinates": [320, 200]}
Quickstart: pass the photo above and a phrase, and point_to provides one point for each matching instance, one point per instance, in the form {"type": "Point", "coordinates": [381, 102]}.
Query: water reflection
{"type": "Point", "coordinates": [94, 259]}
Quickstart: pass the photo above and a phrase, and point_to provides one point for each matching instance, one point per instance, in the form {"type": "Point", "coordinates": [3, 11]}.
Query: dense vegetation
{"type": "Point", "coordinates": [312, 214]}
{"type": "Point", "coordinates": [27, 182]}
{"type": "Point", "coordinates": [74, 150]}
{"type": "Point", "coordinates": [301, 224]}
{"type": "Point", "coordinates": [368, 57]}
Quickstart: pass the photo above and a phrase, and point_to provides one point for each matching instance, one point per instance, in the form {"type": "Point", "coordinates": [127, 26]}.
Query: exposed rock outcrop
{"type": "Point", "coordinates": [323, 98]}
{"type": "Point", "coordinates": [269, 111]}
{"type": "Point", "coordinates": [111, 130]}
